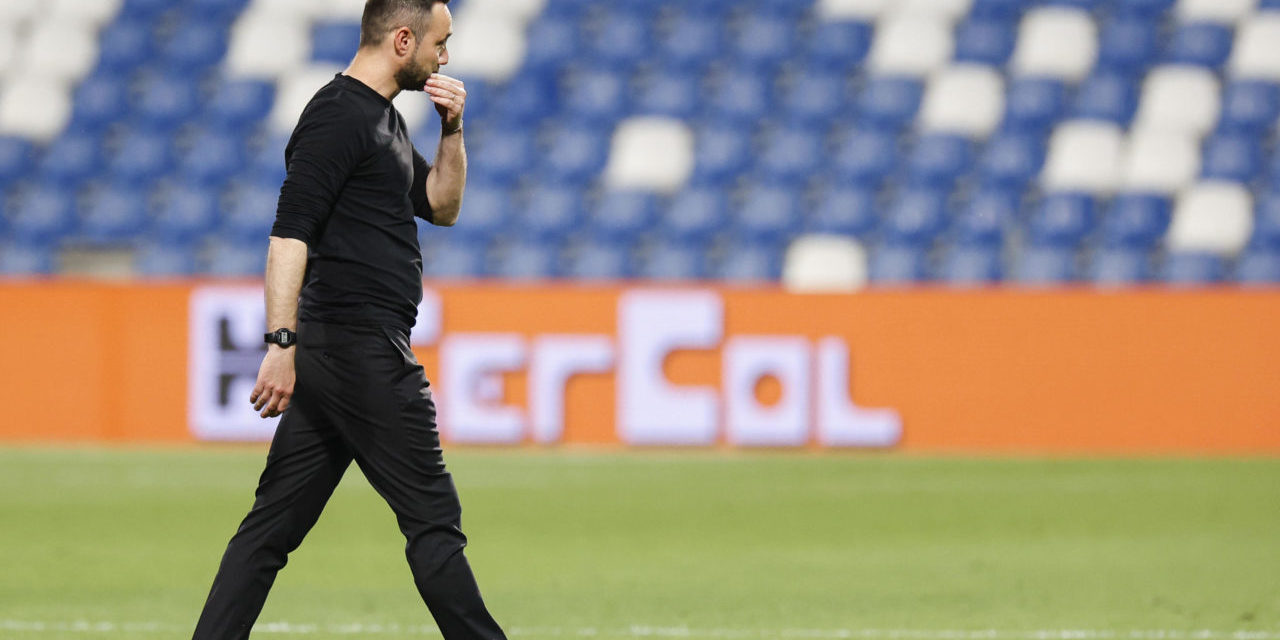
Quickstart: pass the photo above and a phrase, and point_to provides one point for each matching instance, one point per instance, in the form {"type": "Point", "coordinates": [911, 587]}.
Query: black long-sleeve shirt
{"type": "Point", "coordinates": [353, 187]}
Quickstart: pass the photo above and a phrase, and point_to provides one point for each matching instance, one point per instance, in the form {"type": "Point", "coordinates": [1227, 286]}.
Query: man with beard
{"type": "Point", "coordinates": [343, 281]}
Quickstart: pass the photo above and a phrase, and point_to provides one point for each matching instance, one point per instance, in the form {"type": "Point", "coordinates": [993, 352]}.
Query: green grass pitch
{"type": "Point", "coordinates": [122, 543]}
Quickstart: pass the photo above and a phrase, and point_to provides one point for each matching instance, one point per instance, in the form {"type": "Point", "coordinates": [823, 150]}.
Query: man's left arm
{"type": "Point", "coordinates": [448, 177]}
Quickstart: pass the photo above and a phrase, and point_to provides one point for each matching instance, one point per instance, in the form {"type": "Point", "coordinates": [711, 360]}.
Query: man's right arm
{"type": "Point", "coordinates": [286, 264]}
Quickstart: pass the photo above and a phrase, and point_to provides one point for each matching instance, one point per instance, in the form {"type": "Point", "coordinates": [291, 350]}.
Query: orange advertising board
{"type": "Point", "coordinates": [923, 370]}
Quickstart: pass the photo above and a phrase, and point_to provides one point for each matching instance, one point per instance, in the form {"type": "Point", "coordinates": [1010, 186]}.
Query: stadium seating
{"type": "Point", "coordinates": [966, 142]}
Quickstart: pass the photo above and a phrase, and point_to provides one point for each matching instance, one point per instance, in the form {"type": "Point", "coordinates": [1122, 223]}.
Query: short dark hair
{"type": "Point", "coordinates": [382, 16]}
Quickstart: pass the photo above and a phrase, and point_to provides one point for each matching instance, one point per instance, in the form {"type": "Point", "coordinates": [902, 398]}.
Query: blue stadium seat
{"type": "Point", "coordinates": [195, 45]}
{"type": "Point", "coordinates": [248, 211]}
{"type": "Point", "coordinates": [1205, 44]}
{"type": "Point", "coordinates": [842, 209]}
{"type": "Point", "coordinates": [525, 260]}
{"type": "Point", "coordinates": [739, 96]}
{"type": "Point", "coordinates": [487, 210]}
{"type": "Point", "coordinates": [144, 9]}
{"type": "Point", "coordinates": [557, 42]}
{"type": "Point", "coordinates": [983, 220]}
{"type": "Point", "coordinates": [71, 158]}
{"type": "Point", "coordinates": [889, 102]}
{"type": "Point", "coordinates": [334, 41]}
{"type": "Point", "coordinates": [1127, 45]}
{"type": "Point", "coordinates": [17, 155]}
{"type": "Point", "coordinates": [449, 256]}
{"type": "Point", "coordinates": [233, 257]}
{"type": "Point", "coordinates": [241, 104]}
{"type": "Point", "coordinates": [620, 216]}
{"type": "Point", "coordinates": [164, 260]}
{"type": "Point", "coordinates": [163, 102]}
{"type": "Point", "coordinates": [985, 40]}
{"type": "Point", "coordinates": [667, 93]}
{"type": "Point", "coordinates": [815, 96]}
{"type": "Point", "coordinates": [1033, 104]}
{"type": "Point", "coordinates": [575, 154]}
{"type": "Point", "coordinates": [759, 39]}
{"type": "Point", "coordinates": [499, 153]}
{"type": "Point", "coordinates": [1136, 221]}
{"type": "Point", "coordinates": [837, 46]}
{"type": "Point", "coordinates": [597, 261]}
{"type": "Point", "coordinates": [749, 262]}
{"type": "Point", "coordinates": [1110, 97]}
{"type": "Point", "coordinates": [1003, 9]}
{"type": "Point", "coordinates": [264, 162]}
{"type": "Point", "coordinates": [621, 36]}
{"type": "Point", "coordinates": [690, 38]}
{"type": "Point", "coordinates": [99, 101]}
{"type": "Point", "coordinates": [223, 11]}
{"type": "Point", "coordinates": [183, 213]}
{"type": "Point", "coordinates": [1087, 5]}
{"type": "Point", "coordinates": [1255, 267]}
{"type": "Point", "coordinates": [790, 153]}
{"type": "Point", "coordinates": [897, 265]}
{"type": "Point", "coordinates": [1044, 266]}
{"type": "Point", "coordinates": [767, 213]}
{"type": "Point", "coordinates": [915, 218]}
{"type": "Point", "coordinates": [721, 153]}
{"type": "Point", "coordinates": [25, 259]}
{"type": "Point", "coordinates": [41, 213]}
{"type": "Point", "coordinates": [1011, 160]}
{"type": "Point", "coordinates": [1266, 225]}
{"type": "Point", "coordinates": [695, 214]}
{"type": "Point", "coordinates": [864, 157]}
{"type": "Point", "coordinates": [938, 160]}
{"type": "Point", "coordinates": [1143, 8]}
{"type": "Point", "coordinates": [1120, 266]}
{"type": "Point", "coordinates": [1062, 220]}
{"type": "Point", "coordinates": [1192, 269]}
{"type": "Point", "coordinates": [124, 44]}
{"type": "Point", "coordinates": [548, 212]}
{"type": "Point", "coordinates": [672, 261]}
{"type": "Point", "coordinates": [1236, 158]}
{"type": "Point", "coordinates": [112, 214]}
{"type": "Point", "coordinates": [211, 157]}
{"type": "Point", "coordinates": [526, 97]}
{"type": "Point", "coordinates": [1249, 107]}
{"type": "Point", "coordinates": [972, 265]}
{"type": "Point", "coordinates": [594, 95]}
{"type": "Point", "coordinates": [141, 156]}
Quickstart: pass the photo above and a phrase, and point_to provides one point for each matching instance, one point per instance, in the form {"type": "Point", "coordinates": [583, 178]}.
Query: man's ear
{"type": "Point", "coordinates": [402, 40]}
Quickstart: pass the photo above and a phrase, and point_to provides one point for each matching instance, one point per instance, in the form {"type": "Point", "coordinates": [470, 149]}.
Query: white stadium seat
{"type": "Point", "coordinates": [1084, 155]}
{"type": "Point", "coordinates": [9, 43]}
{"type": "Point", "coordinates": [338, 10]}
{"type": "Point", "coordinates": [818, 263]}
{"type": "Point", "coordinates": [1179, 99]}
{"type": "Point", "coordinates": [296, 90]}
{"type": "Point", "coordinates": [520, 10]}
{"type": "Point", "coordinates": [492, 49]}
{"type": "Point", "coordinates": [35, 107]}
{"type": "Point", "coordinates": [62, 51]}
{"type": "Point", "coordinates": [1160, 162]}
{"type": "Point", "coordinates": [966, 99]}
{"type": "Point", "coordinates": [1256, 53]}
{"type": "Point", "coordinates": [910, 45]}
{"type": "Point", "coordinates": [852, 9]}
{"type": "Point", "coordinates": [93, 12]}
{"type": "Point", "coordinates": [1228, 11]}
{"type": "Point", "coordinates": [17, 11]}
{"type": "Point", "coordinates": [268, 45]}
{"type": "Point", "coordinates": [1056, 41]}
{"type": "Point", "coordinates": [652, 154]}
{"type": "Point", "coordinates": [1212, 217]}
{"type": "Point", "coordinates": [306, 9]}
{"type": "Point", "coordinates": [950, 10]}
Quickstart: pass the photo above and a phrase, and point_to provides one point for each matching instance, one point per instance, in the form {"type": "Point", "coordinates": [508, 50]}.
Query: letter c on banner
{"type": "Point", "coordinates": [652, 324]}
{"type": "Point", "coordinates": [471, 367]}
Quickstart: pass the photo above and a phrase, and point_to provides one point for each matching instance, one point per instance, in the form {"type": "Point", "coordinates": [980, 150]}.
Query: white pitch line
{"type": "Point", "coordinates": [37, 627]}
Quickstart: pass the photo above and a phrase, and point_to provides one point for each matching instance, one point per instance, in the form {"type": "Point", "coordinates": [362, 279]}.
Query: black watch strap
{"type": "Point", "coordinates": [283, 337]}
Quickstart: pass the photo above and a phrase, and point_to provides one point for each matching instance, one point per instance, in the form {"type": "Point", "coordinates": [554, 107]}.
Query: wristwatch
{"type": "Point", "coordinates": [283, 337]}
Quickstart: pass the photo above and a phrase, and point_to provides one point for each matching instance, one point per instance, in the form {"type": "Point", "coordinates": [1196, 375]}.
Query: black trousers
{"type": "Point", "coordinates": [360, 395]}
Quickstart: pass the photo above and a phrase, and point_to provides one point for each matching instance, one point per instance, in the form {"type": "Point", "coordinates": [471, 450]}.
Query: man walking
{"type": "Point", "coordinates": [345, 242]}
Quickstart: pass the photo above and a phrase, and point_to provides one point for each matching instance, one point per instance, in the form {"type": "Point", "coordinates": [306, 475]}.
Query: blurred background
{"type": "Point", "coordinates": [965, 142]}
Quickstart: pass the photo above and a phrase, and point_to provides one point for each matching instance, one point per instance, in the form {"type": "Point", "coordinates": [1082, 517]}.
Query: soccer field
{"type": "Point", "coordinates": [111, 543]}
